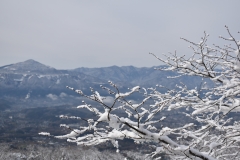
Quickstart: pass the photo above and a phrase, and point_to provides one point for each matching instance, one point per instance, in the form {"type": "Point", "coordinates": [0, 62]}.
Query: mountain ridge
{"type": "Point", "coordinates": [27, 66]}
{"type": "Point", "coordinates": [33, 79]}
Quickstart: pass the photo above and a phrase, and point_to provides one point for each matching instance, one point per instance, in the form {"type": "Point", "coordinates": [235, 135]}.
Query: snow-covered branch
{"type": "Point", "coordinates": [215, 133]}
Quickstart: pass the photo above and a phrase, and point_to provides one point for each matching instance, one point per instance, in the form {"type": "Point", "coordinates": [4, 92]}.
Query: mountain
{"type": "Point", "coordinates": [30, 80]}
{"type": "Point", "coordinates": [27, 67]}
{"type": "Point", "coordinates": [148, 77]}
{"type": "Point", "coordinates": [33, 79]}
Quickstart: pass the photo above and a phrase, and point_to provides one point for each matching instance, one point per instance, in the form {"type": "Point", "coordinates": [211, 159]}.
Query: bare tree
{"type": "Point", "coordinates": [217, 135]}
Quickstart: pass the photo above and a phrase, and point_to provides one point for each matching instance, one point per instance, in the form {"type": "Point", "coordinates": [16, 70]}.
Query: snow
{"type": "Point", "coordinates": [58, 81]}
{"type": "Point", "coordinates": [104, 116]}
{"type": "Point", "coordinates": [52, 96]}
{"type": "Point", "coordinates": [19, 80]}
{"type": "Point", "coordinates": [214, 145]}
{"type": "Point", "coordinates": [115, 134]}
{"type": "Point", "coordinates": [200, 110]}
{"type": "Point", "coordinates": [72, 134]}
{"type": "Point", "coordinates": [27, 96]}
{"type": "Point", "coordinates": [98, 96]}
{"type": "Point", "coordinates": [200, 155]}
{"type": "Point", "coordinates": [214, 135]}
{"type": "Point", "coordinates": [134, 89]}
{"type": "Point", "coordinates": [44, 133]}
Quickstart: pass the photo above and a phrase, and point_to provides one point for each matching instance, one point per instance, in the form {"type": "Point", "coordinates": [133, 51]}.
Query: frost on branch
{"type": "Point", "coordinates": [216, 135]}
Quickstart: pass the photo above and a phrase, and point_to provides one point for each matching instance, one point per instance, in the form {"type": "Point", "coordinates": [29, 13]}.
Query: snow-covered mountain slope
{"type": "Point", "coordinates": [148, 77]}
{"type": "Point", "coordinates": [31, 76]}
{"type": "Point", "coordinates": [29, 66]}
{"type": "Point", "coordinates": [38, 79]}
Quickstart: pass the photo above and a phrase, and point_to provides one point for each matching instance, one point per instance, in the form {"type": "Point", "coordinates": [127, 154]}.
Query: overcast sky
{"type": "Point", "coordinates": [76, 33]}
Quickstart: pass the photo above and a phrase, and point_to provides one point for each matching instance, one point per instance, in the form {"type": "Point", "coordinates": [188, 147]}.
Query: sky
{"type": "Point", "coordinates": [81, 33]}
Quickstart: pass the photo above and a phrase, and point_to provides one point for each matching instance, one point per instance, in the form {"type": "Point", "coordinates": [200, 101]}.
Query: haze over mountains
{"type": "Point", "coordinates": [32, 80]}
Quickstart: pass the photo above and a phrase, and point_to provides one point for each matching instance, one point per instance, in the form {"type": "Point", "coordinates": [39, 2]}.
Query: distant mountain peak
{"type": "Point", "coordinates": [33, 62]}
{"type": "Point", "coordinates": [30, 61]}
{"type": "Point", "coordinates": [29, 66]}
